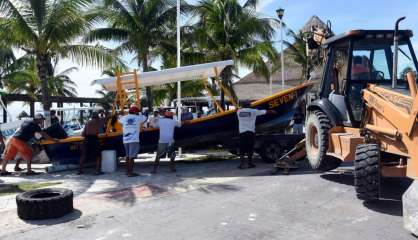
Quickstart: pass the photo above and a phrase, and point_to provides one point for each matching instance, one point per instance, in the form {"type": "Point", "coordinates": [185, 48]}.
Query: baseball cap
{"type": "Point", "coordinates": [134, 110]}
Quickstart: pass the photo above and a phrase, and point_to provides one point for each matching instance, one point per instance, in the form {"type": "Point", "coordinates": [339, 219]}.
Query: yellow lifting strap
{"type": "Point", "coordinates": [218, 106]}
{"type": "Point", "coordinates": [226, 90]}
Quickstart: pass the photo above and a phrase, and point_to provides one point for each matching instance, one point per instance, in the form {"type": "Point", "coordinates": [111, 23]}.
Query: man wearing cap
{"type": "Point", "coordinates": [91, 145]}
{"type": "Point", "coordinates": [132, 124]}
{"type": "Point", "coordinates": [166, 142]}
{"type": "Point", "coordinates": [247, 117]}
{"type": "Point", "coordinates": [19, 143]}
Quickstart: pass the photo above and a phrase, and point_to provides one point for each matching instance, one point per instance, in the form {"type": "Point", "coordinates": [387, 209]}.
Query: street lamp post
{"type": "Point", "coordinates": [280, 13]}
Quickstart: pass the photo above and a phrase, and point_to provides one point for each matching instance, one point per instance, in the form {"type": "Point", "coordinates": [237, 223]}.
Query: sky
{"type": "Point", "coordinates": [344, 15]}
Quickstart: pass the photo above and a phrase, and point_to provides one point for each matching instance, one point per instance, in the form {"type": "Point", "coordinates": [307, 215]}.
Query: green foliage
{"type": "Point", "coordinates": [297, 51]}
{"type": "Point", "coordinates": [226, 29]}
{"type": "Point", "coordinates": [47, 30]}
{"type": "Point", "coordinates": [23, 79]}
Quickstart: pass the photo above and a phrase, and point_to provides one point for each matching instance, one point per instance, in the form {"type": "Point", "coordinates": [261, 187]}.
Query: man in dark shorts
{"type": "Point", "coordinates": [247, 117]}
{"type": "Point", "coordinates": [166, 142]}
{"type": "Point", "coordinates": [91, 145]}
{"type": "Point", "coordinates": [19, 143]}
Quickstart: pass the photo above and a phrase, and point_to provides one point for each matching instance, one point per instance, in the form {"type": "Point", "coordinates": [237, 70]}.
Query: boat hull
{"type": "Point", "coordinates": [199, 133]}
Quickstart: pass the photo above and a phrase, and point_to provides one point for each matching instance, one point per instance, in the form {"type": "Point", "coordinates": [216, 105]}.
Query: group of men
{"type": "Point", "coordinates": [132, 123]}
{"type": "Point", "coordinates": [131, 127]}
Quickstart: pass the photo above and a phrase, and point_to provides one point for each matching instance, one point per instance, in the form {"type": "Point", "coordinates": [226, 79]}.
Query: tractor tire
{"type": "Point", "coordinates": [367, 172]}
{"type": "Point", "coordinates": [317, 140]}
{"type": "Point", "coordinates": [44, 203]}
{"type": "Point", "coordinates": [270, 152]}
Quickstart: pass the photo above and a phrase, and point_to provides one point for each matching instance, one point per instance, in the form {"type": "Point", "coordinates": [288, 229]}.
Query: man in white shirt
{"type": "Point", "coordinates": [131, 125]}
{"type": "Point", "coordinates": [153, 121]}
{"type": "Point", "coordinates": [166, 143]}
{"type": "Point", "coordinates": [247, 117]}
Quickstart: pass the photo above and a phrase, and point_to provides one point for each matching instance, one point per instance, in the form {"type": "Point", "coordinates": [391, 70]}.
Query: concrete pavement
{"type": "Point", "coordinates": [215, 200]}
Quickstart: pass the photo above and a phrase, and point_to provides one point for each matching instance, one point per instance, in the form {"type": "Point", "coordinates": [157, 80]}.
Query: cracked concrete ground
{"type": "Point", "coordinates": [215, 200]}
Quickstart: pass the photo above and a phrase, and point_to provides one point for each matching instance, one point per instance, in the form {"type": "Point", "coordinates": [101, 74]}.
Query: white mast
{"type": "Point", "coordinates": [178, 63]}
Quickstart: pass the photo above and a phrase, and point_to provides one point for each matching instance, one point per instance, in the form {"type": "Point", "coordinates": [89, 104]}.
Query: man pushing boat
{"type": "Point", "coordinates": [18, 144]}
{"type": "Point", "coordinates": [247, 117]}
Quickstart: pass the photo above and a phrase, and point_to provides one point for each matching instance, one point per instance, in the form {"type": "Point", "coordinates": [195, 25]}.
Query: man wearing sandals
{"type": "Point", "coordinates": [131, 125]}
{"type": "Point", "coordinates": [247, 117]}
{"type": "Point", "coordinates": [19, 143]}
{"type": "Point", "coordinates": [166, 141]}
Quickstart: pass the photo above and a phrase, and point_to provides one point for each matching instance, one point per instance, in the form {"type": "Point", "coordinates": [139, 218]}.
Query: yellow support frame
{"type": "Point", "coordinates": [218, 106]}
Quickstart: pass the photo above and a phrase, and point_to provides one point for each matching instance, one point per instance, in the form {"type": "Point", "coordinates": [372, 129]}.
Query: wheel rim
{"type": "Point", "coordinates": [313, 142]}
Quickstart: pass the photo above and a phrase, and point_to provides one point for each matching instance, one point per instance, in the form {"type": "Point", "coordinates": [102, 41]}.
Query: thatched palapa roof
{"type": "Point", "coordinates": [254, 87]}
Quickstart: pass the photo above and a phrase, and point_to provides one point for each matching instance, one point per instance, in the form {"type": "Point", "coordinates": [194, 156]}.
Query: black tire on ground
{"type": "Point", "coordinates": [317, 140]}
{"type": "Point", "coordinates": [270, 152]}
{"type": "Point", "coordinates": [367, 172]}
{"type": "Point", "coordinates": [44, 203]}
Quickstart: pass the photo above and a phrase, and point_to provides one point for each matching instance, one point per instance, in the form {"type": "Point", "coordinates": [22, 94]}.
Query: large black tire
{"type": "Point", "coordinates": [44, 203]}
{"type": "Point", "coordinates": [367, 172]}
{"type": "Point", "coordinates": [270, 152]}
{"type": "Point", "coordinates": [317, 140]}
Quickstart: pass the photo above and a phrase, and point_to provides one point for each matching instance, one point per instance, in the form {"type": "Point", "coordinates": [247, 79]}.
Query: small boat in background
{"type": "Point", "coordinates": [198, 133]}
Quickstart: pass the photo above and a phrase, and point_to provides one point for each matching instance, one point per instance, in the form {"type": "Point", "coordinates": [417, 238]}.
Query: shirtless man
{"type": "Point", "coordinates": [91, 145]}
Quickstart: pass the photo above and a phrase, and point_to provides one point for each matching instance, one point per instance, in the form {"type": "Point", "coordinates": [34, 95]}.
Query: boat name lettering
{"type": "Point", "coordinates": [283, 99]}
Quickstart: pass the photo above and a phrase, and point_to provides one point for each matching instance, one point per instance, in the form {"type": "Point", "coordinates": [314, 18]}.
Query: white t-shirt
{"type": "Point", "coordinates": [132, 127]}
{"type": "Point", "coordinates": [153, 121]}
{"type": "Point", "coordinates": [167, 127]}
{"type": "Point", "coordinates": [247, 117]}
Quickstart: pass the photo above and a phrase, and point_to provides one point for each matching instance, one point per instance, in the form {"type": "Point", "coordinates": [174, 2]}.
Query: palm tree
{"type": "Point", "coordinates": [228, 30]}
{"type": "Point", "coordinates": [48, 29]}
{"type": "Point", "coordinates": [139, 25]}
{"type": "Point", "coordinates": [297, 51]}
{"type": "Point", "coordinates": [7, 58]}
{"type": "Point", "coordinates": [23, 79]}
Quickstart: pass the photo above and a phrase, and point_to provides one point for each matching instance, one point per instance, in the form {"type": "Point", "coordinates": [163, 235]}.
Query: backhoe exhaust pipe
{"type": "Point", "coordinates": [395, 53]}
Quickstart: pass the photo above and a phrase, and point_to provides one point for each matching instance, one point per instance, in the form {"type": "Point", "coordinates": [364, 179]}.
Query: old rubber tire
{"type": "Point", "coordinates": [367, 171]}
{"type": "Point", "coordinates": [44, 203]}
{"type": "Point", "coordinates": [317, 140]}
{"type": "Point", "coordinates": [270, 152]}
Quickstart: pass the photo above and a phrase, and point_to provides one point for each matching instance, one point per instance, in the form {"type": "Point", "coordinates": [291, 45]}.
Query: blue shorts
{"type": "Point", "coordinates": [131, 149]}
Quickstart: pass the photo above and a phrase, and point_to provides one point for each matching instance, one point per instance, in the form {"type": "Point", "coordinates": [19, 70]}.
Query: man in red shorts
{"type": "Point", "coordinates": [19, 143]}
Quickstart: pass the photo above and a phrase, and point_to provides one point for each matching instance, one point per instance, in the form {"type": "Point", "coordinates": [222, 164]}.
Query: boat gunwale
{"type": "Point", "coordinates": [191, 122]}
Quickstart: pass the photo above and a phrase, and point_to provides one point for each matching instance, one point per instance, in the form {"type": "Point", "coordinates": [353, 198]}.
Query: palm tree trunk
{"type": "Point", "coordinates": [226, 77]}
{"type": "Point", "coordinates": [42, 65]}
{"type": "Point", "coordinates": [148, 91]}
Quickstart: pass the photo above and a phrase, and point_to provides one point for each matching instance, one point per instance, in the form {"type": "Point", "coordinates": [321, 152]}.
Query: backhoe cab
{"type": "Point", "coordinates": [367, 108]}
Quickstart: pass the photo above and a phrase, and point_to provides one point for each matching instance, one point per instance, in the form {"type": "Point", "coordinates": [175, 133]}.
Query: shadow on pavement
{"type": "Point", "coordinates": [76, 214]}
{"type": "Point", "coordinates": [219, 188]}
{"type": "Point", "coordinates": [391, 193]}
{"type": "Point", "coordinates": [386, 206]}
{"type": "Point", "coordinates": [342, 178]}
